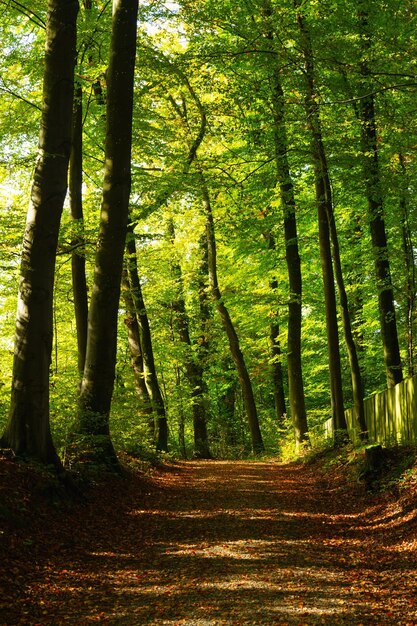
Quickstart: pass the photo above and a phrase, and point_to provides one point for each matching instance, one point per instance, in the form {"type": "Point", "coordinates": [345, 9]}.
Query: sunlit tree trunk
{"type": "Point", "coordinates": [235, 350]}
{"type": "Point", "coordinates": [136, 358]}
{"type": "Point", "coordinates": [193, 365]}
{"type": "Point", "coordinates": [151, 378]}
{"type": "Point", "coordinates": [275, 346]}
{"type": "Point", "coordinates": [99, 372]}
{"type": "Point", "coordinates": [28, 430]}
{"type": "Point", "coordinates": [244, 378]}
{"type": "Point", "coordinates": [79, 283]}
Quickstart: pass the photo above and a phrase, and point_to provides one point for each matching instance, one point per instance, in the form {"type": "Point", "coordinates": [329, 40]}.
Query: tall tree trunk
{"type": "Point", "coordinates": [181, 418]}
{"type": "Point", "coordinates": [328, 236]}
{"type": "Point", "coordinates": [99, 372]}
{"type": "Point", "coordinates": [79, 282]}
{"type": "Point", "coordinates": [149, 368]}
{"type": "Point", "coordinates": [247, 391]}
{"type": "Point", "coordinates": [133, 334]}
{"type": "Point", "coordinates": [295, 374]}
{"type": "Point", "coordinates": [244, 379]}
{"type": "Point", "coordinates": [28, 429]}
{"type": "Point", "coordinates": [275, 346]}
{"type": "Point", "coordinates": [193, 365]}
{"type": "Point", "coordinates": [369, 145]}
{"type": "Point", "coordinates": [335, 369]}
{"type": "Point", "coordinates": [410, 268]}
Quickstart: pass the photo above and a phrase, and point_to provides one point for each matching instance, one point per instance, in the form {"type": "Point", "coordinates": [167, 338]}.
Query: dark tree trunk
{"type": "Point", "coordinates": [410, 269]}
{"type": "Point", "coordinates": [295, 374]}
{"type": "Point", "coordinates": [328, 235]}
{"type": "Point", "coordinates": [149, 368]}
{"type": "Point", "coordinates": [136, 357]}
{"type": "Point", "coordinates": [79, 282]}
{"type": "Point", "coordinates": [28, 429]}
{"type": "Point", "coordinates": [193, 365]}
{"type": "Point", "coordinates": [99, 372]}
{"type": "Point", "coordinates": [369, 145]}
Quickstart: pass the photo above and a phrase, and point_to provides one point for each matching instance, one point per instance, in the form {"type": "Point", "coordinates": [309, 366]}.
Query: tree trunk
{"type": "Point", "coordinates": [369, 146]}
{"type": "Point", "coordinates": [410, 269]}
{"type": "Point", "coordinates": [133, 334]}
{"type": "Point", "coordinates": [328, 235]}
{"type": "Point", "coordinates": [244, 379]}
{"type": "Point", "coordinates": [295, 375]}
{"type": "Point", "coordinates": [193, 365]}
{"type": "Point", "coordinates": [149, 368]}
{"type": "Point", "coordinates": [28, 429]}
{"type": "Point", "coordinates": [275, 346]}
{"type": "Point", "coordinates": [79, 282]}
{"type": "Point", "coordinates": [247, 392]}
{"type": "Point", "coordinates": [181, 419]}
{"type": "Point", "coordinates": [335, 369]}
{"type": "Point", "coordinates": [99, 372]}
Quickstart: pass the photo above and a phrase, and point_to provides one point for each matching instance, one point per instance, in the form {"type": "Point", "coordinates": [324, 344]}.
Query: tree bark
{"type": "Point", "coordinates": [295, 374]}
{"type": "Point", "coordinates": [244, 379]}
{"type": "Point", "coordinates": [79, 282]}
{"type": "Point", "coordinates": [99, 372]}
{"type": "Point", "coordinates": [410, 269]}
{"type": "Point", "coordinates": [28, 429]}
{"type": "Point", "coordinates": [193, 365]}
{"type": "Point", "coordinates": [369, 146]}
{"type": "Point", "coordinates": [329, 243]}
{"type": "Point", "coordinates": [136, 357]}
{"type": "Point", "coordinates": [151, 378]}
{"type": "Point", "coordinates": [246, 385]}
{"type": "Point", "coordinates": [275, 346]}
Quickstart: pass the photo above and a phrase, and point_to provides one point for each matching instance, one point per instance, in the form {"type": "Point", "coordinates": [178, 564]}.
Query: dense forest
{"type": "Point", "coordinates": [244, 268]}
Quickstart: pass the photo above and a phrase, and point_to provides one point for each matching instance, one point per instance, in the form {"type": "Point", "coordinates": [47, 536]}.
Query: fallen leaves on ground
{"type": "Point", "coordinates": [208, 543]}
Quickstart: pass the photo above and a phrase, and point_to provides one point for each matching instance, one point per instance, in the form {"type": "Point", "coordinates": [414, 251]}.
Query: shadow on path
{"type": "Point", "coordinates": [228, 543]}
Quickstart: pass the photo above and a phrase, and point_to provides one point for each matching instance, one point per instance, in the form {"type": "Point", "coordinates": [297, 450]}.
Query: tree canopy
{"type": "Point", "coordinates": [263, 135]}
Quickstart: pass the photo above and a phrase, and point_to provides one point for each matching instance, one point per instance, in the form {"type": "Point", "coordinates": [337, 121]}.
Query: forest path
{"type": "Point", "coordinates": [207, 543]}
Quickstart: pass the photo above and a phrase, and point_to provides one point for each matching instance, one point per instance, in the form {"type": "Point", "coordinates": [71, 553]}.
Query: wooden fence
{"type": "Point", "coordinates": [391, 415]}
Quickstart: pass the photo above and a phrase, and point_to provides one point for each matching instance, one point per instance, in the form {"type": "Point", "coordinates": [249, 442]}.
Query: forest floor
{"type": "Point", "coordinates": [205, 543]}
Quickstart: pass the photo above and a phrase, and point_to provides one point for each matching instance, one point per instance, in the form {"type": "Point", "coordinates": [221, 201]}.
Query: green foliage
{"type": "Point", "coordinates": [219, 51]}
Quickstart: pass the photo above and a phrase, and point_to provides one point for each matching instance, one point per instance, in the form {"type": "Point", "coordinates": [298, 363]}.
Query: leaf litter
{"type": "Point", "coordinates": [208, 543]}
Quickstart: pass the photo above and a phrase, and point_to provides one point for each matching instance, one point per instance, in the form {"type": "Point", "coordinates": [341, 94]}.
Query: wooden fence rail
{"type": "Point", "coordinates": [391, 415]}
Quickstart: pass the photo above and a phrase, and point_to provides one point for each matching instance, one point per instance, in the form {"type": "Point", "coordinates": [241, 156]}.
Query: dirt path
{"type": "Point", "coordinates": [220, 543]}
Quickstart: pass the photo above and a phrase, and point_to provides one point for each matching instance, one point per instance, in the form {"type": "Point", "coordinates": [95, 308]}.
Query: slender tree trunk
{"type": "Point", "coordinates": [79, 282]}
{"type": "Point", "coordinates": [244, 379]}
{"type": "Point", "coordinates": [181, 418]}
{"type": "Point", "coordinates": [149, 368]}
{"type": "Point", "coordinates": [335, 368]}
{"type": "Point", "coordinates": [275, 345]}
{"type": "Point", "coordinates": [247, 391]}
{"type": "Point", "coordinates": [133, 333]}
{"type": "Point", "coordinates": [295, 375]}
{"type": "Point", "coordinates": [99, 372]}
{"type": "Point", "coordinates": [369, 144]}
{"type": "Point", "coordinates": [328, 236]}
{"type": "Point", "coordinates": [28, 429]}
{"type": "Point", "coordinates": [193, 365]}
{"type": "Point", "coordinates": [277, 375]}
{"type": "Point", "coordinates": [410, 269]}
